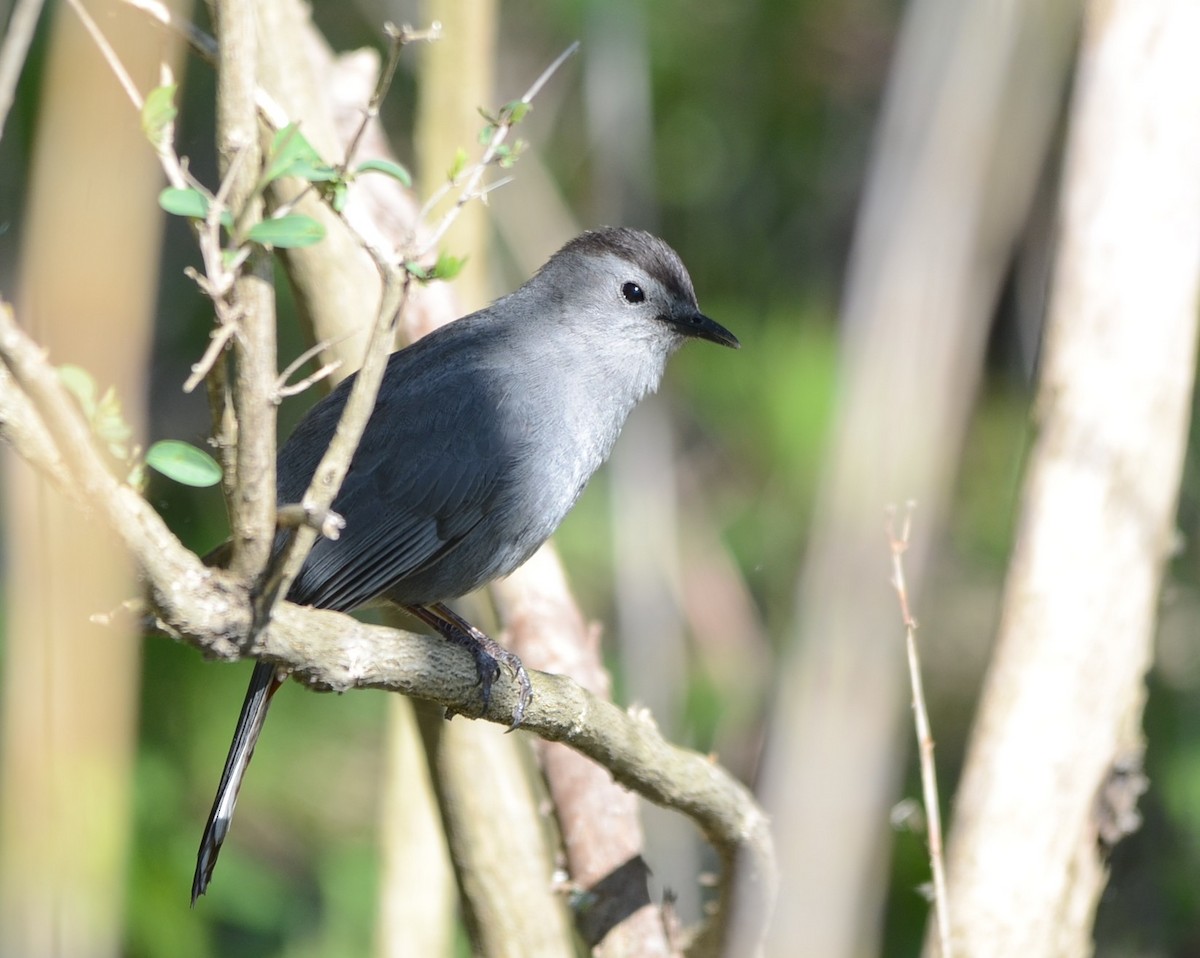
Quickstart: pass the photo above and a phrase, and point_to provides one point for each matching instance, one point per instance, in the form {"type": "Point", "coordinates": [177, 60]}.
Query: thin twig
{"type": "Point", "coordinates": [201, 43]}
{"type": "Point", "coordinates": [283, 390]}
{"type": "Point", "coordinates": [217, 341]}
{"type": "Point", "coordinates": [929, 787]}
{"type": "Point", "coordinates": [109, 54]}
{"type": "Point", "coordinates": [331, 471]}
{"type": "Point", "coordinates": [398, 38]}
{"type": "Point", "coordinates": [503, 126]}
{"type": "Point", "coordinates": [205, 47]}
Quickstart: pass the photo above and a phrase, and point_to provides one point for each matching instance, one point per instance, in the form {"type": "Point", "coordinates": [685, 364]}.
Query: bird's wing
{"type": "Point", "coordinates": [430, 468]}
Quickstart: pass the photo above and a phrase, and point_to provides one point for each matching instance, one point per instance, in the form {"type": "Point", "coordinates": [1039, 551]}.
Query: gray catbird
{"type": "Point", "coordinates": [483, 435]}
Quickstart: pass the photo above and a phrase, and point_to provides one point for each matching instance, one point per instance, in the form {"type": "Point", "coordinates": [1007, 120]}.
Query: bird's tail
{"type": "Point", "coordinates": [264, 682]}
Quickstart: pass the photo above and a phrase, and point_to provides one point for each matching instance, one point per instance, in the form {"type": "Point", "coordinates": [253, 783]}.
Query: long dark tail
{"type": "Point", "coordinates": [263, 684]}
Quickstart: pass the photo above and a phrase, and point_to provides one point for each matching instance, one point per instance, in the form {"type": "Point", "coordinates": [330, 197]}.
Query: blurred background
{"type": "Point", "coordinates": [780, 147]}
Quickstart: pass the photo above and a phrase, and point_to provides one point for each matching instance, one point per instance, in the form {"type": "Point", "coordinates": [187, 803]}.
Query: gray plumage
{"type": "Point", "coordinates": [486, 431]}
{"type": "Point", "coordinates": [483, 436]}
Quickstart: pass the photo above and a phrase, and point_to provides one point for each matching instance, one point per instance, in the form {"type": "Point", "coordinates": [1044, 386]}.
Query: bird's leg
{"type": "Point", "coordinates": [488, 653]}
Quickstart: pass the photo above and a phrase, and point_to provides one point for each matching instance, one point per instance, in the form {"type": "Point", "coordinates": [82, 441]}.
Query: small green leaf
{"type": "Point", "coordinates": [516, 111]}
{"type": "Point", "coordinates": [190, 203]}
{"type": "Point", "coordinates": [486, 134]}
{"type": "Point", "coordinates": [340, 194]}
{"type": "Point", "coordinates": [506, 156]}
{"type": "Point", "coordinates": [293, 231]}
{"type": "Point", "coordinates": [387, 167]}
{"type": "Point", "coordinates": [180, 202]}
{"type": "Point", "coordinates": [417, 270]}
{"type": "Point", "coordinates": [292, 155]}
{"type": "Point", "coordinates": [184, 463]}
{"type": "Point", "coordinates": [81, 385]}
{"type": "Point", "coordinates": [158, 112]}
{"type": "Point", "coordinates": [459, 164]}
{"type": "Point", "coordinates": [447, 266]}
{"type": "Point", "coordinates": [108, 422]}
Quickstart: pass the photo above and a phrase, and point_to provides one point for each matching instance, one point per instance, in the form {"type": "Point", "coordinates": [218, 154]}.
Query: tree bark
{"type": "Point", "coordinates": [1054, 764]}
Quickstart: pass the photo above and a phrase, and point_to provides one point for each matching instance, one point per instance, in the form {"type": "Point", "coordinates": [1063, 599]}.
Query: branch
{"type": "Point", "coordinates": [252, 512]}
{"type": "Point", "coordinates": [331, 651]}
{"type": "Point", "coordinates": [44, 416]}
{"type": "Point", "coordinates": [929, 786]}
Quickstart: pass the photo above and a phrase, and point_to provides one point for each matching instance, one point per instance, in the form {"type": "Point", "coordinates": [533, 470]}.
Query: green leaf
{"type": "Point", "coordinates": [81, 385]}
{"type": "Point", "coordinates": [387, 167]}
{"type": "Point", "coordinates": [292, 155]}
{"type": "Point", "coordinates": [158, 112]}
{"type": "Point", "coordinates": [506, 156]}
{"type": "Point", "coordinates": [515, 111]}
{"type": "Point", "coordinates": [184, 463]}
{"type": "Point", "coordinates": [459, 164]}
{"type": "Point", "coordinates": [447, 266]}
{"type": "Point", "coordinates": [293, 231]}
{"type": "Point", "coordinates": [189, 203]}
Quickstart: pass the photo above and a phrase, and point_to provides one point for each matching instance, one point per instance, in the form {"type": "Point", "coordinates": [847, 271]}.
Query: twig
{"type": "Point", "coordinates": [201, 43]}
{"type": "Point", "coordinates": [398, 38]}
{"type": "Point", "coordinates": [217, 341]}
{"type": "Point", "coordinates": [205, 47]}
{"type": "Point", "coordinates": [503, 126]}
{"type": "Point", "coordinates": [331, 471]}
{"type": "Point", "coordinates": [929, 788]}
{"type": "Point", "coordinates": [283, 390]}
{"type": "Point", "coordinates": [21, 27]}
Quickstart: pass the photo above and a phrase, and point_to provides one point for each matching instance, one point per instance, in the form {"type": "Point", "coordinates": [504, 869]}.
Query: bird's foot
{"type": "Point", "coordinates": [489, 655]}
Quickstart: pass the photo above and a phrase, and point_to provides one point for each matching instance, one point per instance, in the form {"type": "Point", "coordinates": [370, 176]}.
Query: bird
{"type": "Point", "coordinates": [483, 435]}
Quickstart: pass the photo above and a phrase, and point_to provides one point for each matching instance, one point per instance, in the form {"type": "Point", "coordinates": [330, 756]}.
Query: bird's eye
{"type": "Point", "coordinates": [632, 293]}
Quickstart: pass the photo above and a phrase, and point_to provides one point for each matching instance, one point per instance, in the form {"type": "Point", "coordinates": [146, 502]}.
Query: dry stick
{"type": "Point", "coordinates": [929, 789]}
{"type": "Point", "coordinates": [33, 443]}
{"type": "Point", "coordinates": [283, 389]}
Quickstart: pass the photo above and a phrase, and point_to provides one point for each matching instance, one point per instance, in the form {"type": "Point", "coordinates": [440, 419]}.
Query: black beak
{"type": "Point", "coordinates": [700, 326]}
